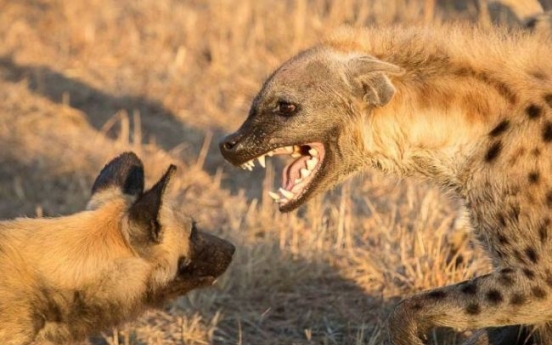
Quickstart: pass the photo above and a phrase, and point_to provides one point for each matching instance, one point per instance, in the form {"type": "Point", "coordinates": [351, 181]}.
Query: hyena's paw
{"type": "Point", "coordinates": [404, 325]}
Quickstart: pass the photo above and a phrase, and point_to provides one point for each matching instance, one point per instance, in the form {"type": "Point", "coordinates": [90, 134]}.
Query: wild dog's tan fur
{"type": "Point", "coordinates": [67, 277]}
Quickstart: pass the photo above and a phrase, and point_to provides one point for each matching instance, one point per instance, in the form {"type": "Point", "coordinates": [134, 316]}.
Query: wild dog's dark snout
{"type": "Point", "coordinates": [210, 255]}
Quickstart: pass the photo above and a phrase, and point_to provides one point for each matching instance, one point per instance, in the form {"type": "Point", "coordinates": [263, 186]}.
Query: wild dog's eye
{"type": "Point", "coordinates": [284, 108]}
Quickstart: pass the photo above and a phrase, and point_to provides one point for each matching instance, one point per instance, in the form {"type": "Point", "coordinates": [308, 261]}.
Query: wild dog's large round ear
{"type": "Point", "coordinates": [125, 172]}
{"type": "Point", "coordinates": [372, 75]}
{"type": "Point", "coordinates": [144, 212]}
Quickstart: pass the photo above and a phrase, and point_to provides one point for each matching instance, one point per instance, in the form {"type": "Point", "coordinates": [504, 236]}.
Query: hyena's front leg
{"type": "Point", "coordinates": [510, 296]}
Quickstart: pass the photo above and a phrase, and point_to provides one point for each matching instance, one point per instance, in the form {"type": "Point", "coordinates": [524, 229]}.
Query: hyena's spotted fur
{"type": "Point", "coordinates": [466, 108]}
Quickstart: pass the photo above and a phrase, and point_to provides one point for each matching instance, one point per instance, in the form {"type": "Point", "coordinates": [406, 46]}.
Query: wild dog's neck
{"type": "Point", "coordinates": [432, 131]}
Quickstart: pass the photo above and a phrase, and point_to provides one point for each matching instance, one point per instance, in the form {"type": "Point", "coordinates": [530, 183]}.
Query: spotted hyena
{"type": "Point", "coordinates": [467, 108]}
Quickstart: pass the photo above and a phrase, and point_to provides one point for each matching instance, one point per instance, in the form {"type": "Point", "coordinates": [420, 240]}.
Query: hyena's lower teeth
{"type": "Point", "coordinates": [286, 193]}
{"type": "Point", "coordinates": [274, 196]}
{"type": "Point", "coordinates": [311, 163]}
{"type": "Point", "coordinates": [296, 154]}
{"type": "Point", "coordinates": [313, 152]}
{"type": "Point", "coordinates": [304, 173]}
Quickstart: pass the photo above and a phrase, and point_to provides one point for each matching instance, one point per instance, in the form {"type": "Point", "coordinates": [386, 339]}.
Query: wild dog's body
{"type": "Point", "coordinates": [468, 109]}
{"type": "Point", "coordinates": [68, 277]}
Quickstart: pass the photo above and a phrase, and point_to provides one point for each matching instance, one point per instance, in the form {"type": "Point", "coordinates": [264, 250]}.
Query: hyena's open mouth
{"type": "Point", "coordinates": [298, 175]}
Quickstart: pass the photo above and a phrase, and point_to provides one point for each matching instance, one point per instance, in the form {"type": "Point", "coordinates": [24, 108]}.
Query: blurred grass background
{"type": "Point", "coordinates": [81, 81]}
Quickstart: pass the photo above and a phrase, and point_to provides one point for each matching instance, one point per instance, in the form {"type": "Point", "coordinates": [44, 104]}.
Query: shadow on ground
{"type": "Point", "coordinates": [156, 120]}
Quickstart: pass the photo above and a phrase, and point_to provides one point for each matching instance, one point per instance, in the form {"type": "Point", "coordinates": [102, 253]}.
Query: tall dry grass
{"type": "Point", "coordinates": [81, 81]}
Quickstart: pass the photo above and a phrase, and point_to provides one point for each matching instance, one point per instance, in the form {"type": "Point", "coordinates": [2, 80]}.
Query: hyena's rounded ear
{"type": "Point", "coordinates": [125, 172]}
{"type": "Point", "coordinates": [371, 75]}
{"type": "Point", "coordinates": [144, 212]}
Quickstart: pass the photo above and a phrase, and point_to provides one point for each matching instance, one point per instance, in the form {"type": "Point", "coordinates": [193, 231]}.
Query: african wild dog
{"type": "Point", "coordinates": [468, 108]}
{"type": "Point", "coordinates": [65, 278]}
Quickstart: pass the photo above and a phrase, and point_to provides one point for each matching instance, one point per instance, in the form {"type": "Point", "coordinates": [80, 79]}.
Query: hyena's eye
{"type": "Point", "coordinates": [284, 108]}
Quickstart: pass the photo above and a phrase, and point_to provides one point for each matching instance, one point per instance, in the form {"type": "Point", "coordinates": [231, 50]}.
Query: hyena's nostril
{"type": "Point", "coordinates": [230, 143]}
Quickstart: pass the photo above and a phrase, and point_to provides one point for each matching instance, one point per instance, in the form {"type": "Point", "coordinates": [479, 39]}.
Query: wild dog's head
{"type": "Point", "coordinates": [182, 258]}
{"type": "Point", "coordinates": [309, 109]}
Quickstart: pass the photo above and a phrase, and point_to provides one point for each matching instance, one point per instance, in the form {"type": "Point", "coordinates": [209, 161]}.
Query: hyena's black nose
{"type": "Point", "coordinates": [230, 145]}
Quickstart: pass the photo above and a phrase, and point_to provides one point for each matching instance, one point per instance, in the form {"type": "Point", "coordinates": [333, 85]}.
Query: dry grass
{"type": "Point", "coordinates": [81, 81]}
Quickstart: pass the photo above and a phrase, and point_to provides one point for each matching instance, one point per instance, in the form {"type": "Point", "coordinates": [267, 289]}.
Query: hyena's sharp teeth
{"type": "Point", "coordinates": [270, 154]}
{"type": "Point", "coordinates": [274, 196]}
{"type": "Point", "coordinates": [297, 181]}
{"type": "Point", "coordinates": [296, 154]}
{"type": "Point", "coordinates": [286, 193]}
{"type": "Point", "coordinates": [313, 152]}
{"type": "Point", "coordinates": [289, 149]}
{"type": "Point", "coordinates": [304, 173]}
{"type": "Point", "coordinates": [262, 161]}
{"type": "Point", "coordinates": [311, 163]}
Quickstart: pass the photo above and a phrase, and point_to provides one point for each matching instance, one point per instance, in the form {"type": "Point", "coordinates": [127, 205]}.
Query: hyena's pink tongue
{"type": "Point", "coordinates": [295, 177]}
{"type": "Point", "coordinates": [292, 173]}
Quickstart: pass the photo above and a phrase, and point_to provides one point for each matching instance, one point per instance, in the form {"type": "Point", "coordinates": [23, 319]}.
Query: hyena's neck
{"type": "Point", "coordinates": [434, 126]}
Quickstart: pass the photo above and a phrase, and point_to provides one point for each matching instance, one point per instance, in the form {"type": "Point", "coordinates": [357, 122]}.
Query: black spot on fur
{"type": "Point", "coordinates": [494, 297]}
{"type": "Point", "coordinates": [533, 177]}
{"type": "Point", "coordinates": [507, 270]}
{"type": "Point", "coordinates": [536, 74]}
{"type": "Point", "coordinates": [502, 219]}
{"type": "Point", "coordinates": [536, 152]}
{"type": "Point", "coordinates": [469, 288]}
{"type": "Point", "coordinates": [517, 299]}
{"type": "Point", "coordinates": [543, 230]}
{"type": "Point", "coordinates": [529, 273]}
{"type": "Point", "coordinates": [532, 254]}
{"type": "Point", "coordinates": [473, 309]}
{"type": "Point", "coordinates": [547, 132]}
{"type": "Point", "coordinates": [533, 111]}
{"type": "Point", "coordinates": [493, 152]}
{"type": "Point", "coordinates": [50, 310]}
{"type": "Point", "coordinates": [549, 198]}
{"type": "Point", "coordinates": [503, 240]}
{"type": "Point", "coordinates": [548, 99]}
{"type": "Point", "coordinates": [538, 292]}
{"type": "Point", "coordinates": [500, 128]}
{"type": "Point", "coordinates": [437, 294]}
{"type": "Point", "coordinates": [506, 280]}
